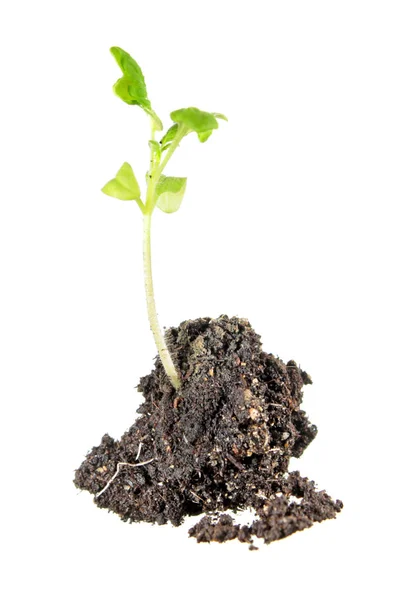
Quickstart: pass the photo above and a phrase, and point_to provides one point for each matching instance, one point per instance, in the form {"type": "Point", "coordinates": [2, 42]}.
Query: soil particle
{"type": "Point", "coordinates": [222, 442]}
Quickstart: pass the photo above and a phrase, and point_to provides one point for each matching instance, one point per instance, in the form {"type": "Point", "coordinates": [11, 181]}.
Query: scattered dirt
{"type": "Point", "coordinates": [222, 442]}
{"type": "Point", "coordinates": [296, 506]}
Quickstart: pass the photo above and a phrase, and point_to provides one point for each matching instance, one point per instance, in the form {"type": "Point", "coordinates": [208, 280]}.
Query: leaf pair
{"type": "Point", "coordinates": [131, 87]}
{"type": "Point", "coordinates": [169, 190]}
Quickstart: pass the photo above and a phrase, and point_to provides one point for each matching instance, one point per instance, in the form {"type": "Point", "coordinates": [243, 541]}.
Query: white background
{"type": "Point", "coordinates": [289, 220]}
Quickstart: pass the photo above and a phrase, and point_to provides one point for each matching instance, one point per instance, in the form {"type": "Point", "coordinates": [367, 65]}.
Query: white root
{"type": "Point", "coordinates": [116, 473]}
{"type": "Point", "coordinates": [139, 451]}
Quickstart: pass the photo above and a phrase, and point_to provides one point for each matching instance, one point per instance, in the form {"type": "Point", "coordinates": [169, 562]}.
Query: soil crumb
{"type": "Point", "coordinates": [221, 443]}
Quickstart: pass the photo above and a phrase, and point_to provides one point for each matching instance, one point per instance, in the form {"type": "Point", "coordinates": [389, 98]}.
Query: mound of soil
{"type": "Point", "coordinates": [222, 442]}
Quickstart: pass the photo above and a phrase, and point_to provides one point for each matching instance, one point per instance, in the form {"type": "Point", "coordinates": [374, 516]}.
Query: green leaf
{"type": "Point", "coordinates": [124, 186]}
{"type": "Point", "coordinates": [121, 89]}
{"type": "Point", "coordinates": [195, 119]}
{"type": "Point", "coordinates": [155, 148]}
{"type": "Point", "coordinates": [204, 135]}
{"type": "Point", "coordinates": [169, 135]}
{"type": "Point", "coordinates": [220, 116]}
{"type": "Point", "coordinates": [170, 192]}
{"type": "Point", "coordinates": [165, 147]}
{"type": "Point", "coordinates": [131, 88]}
{"type": "Point", "coordinates": [128, 65]}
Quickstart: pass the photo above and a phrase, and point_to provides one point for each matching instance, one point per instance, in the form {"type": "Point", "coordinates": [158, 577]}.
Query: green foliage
{"type": "Point", "coordinates": [155, 149]}
{"type": "Point", "coordinates": [204, 135]}
{"type": "Point", "coordinates": [169, 135]}
{"type": "Point", "coordinates": [164, 192]}
{"type": "Point", "coordinates": [195, 119]}
{"type": "Point", "coordinates": [132, 84]}
{"type": "Point", "coordinates": [170, 192]}
{"type": "Point", "coordinates": [165, 147]}
{"type": "Point", "coordinates": [124, 186]}
{"type": "Point", "coordinates": [131, 87]}
{"type": "Point", "coordinates": [220, 116]}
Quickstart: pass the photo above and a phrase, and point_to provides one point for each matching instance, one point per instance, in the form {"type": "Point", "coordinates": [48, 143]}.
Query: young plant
{"type": "Point", "coordinates": [162, 191]}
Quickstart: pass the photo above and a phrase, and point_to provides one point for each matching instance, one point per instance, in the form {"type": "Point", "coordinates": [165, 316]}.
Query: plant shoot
{"type": "Point", "coordinates": [163, 192]}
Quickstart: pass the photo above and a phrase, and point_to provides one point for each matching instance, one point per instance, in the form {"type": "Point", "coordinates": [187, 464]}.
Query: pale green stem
{"type": "Point", "coordinates": [152, 315]}
{"type": "Point", "coordinates": [158, 170]}
{"type": "Point", "coordinates": [150, 203]}
{"type": "Point", "coordinates": [179, 135]}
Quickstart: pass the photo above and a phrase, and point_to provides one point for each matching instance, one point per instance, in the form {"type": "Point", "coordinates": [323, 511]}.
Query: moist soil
{"type": "Point", "coordinates": [222, 442]}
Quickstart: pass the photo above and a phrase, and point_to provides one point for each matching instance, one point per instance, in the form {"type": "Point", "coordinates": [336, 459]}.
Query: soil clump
{"type": "Point", "coordinates": [222, 442]}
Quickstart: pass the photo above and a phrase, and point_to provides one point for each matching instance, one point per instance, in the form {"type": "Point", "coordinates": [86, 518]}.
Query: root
{"type": "Point", "coordinates": [116, 473]}
{"type": "Point", "coordinates": [139, 451]}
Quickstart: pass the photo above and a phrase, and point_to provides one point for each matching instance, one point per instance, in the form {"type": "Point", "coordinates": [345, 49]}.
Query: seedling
{"type": "Point", "coordinates": [163, 192]}
{"type": "Point", "coordinates": [223, 440]}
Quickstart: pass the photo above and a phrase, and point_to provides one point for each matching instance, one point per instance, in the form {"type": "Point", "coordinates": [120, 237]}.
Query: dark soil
{"type": "Point", "coordinates": [222, 442]}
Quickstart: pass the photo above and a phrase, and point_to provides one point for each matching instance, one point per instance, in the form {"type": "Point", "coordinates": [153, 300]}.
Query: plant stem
{"type": "Point", "coordinates": [151, 306]}
{"type": "Point", "coordinates": [155, 172]}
